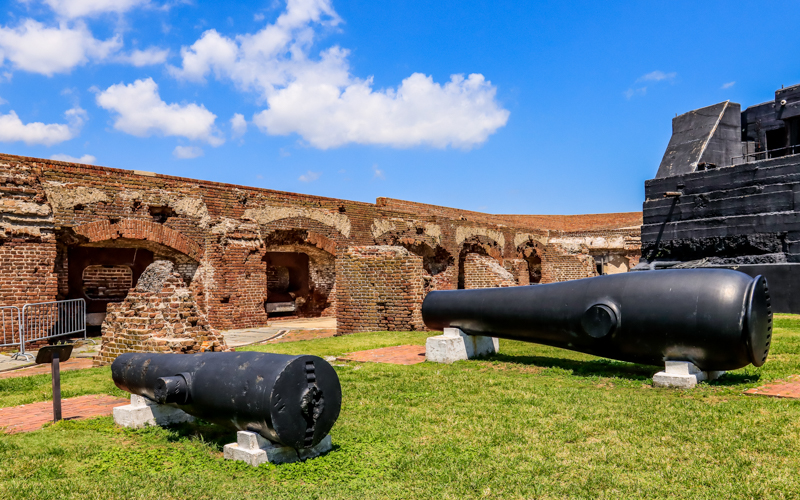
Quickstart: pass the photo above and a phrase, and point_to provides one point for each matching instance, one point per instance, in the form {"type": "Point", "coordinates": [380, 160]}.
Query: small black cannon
{"type": "Point", "coordinates": [292, 400]}
{"type": "Point", "coordinates": [717, 319]}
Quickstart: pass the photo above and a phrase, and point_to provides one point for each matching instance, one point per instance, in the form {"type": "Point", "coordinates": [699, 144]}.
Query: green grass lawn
{"type": "Point", "coordinates": [532, 422]}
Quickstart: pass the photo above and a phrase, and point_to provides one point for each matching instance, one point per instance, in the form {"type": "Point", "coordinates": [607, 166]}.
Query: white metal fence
{"type": "Point", "coordinates": [11, 333]}
{"type": "Point", "coordinates": [46, 320]}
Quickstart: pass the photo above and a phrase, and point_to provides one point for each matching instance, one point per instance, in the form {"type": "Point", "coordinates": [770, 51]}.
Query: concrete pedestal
{"type": "Point", "coordinates": [455, 345]}
{"type": "Point", "coordinates": [142, 412]}
{"type": "Point", "coordinates": [683, 375]}
{"type": "Point", "coordinates": [252, 448]}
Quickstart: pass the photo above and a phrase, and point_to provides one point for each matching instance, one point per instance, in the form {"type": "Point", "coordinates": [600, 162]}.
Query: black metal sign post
{"type": "Point", "coordinates": [54, 354]}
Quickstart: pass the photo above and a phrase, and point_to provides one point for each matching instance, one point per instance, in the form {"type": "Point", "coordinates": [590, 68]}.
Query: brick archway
{"type": "Point", "coordinates": [137, 229]}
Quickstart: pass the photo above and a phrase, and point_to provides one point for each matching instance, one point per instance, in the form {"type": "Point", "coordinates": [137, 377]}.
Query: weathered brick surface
{"type": "Point", "coordinates": [218, 237]}
{"type": "Point", "coordinates": [485, 272]}
{"type": "Point", "coordinates": [378, 288]}
{"type": "Point", "coordinates": [111, 282]}
{"type": "Point", "coordinates": [159, 315]}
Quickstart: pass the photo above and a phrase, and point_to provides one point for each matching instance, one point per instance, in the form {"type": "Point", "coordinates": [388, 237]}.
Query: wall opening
{"type": "Point", "coordinates": [466, 249]}
{"type": "Point", "coordinates": [532, 252]}
{"type": "Point", "coordinates": [103, 272]}
{"type": "Point", "coordinates": [301, 277]}
{"type": "Point", "coordinates": [287, 282]}
{"type": "Point", "coordinates": [776, 139]}
{"type": "Point", "coordinates": [107, 282]}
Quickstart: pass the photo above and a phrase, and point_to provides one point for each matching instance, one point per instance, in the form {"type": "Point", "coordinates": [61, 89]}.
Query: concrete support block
{"type": "Point", "coordinates": [142, 412]}
{"type": "Point", "coordinates": [455, 345]}
{"type": "Point", "coordinates": [252, 448]}
{"type": "Point", "coordinates": [683, 375]}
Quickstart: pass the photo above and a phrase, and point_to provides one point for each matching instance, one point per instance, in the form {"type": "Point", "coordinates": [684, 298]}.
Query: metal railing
{"type": "Point", "coordinates": [764, 155]}
{"type": "Point", "coordinates": [46, 320]}
{"type": "Point", "coordinates": [11, 333]}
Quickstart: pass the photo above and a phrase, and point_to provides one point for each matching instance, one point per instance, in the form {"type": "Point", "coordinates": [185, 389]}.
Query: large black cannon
{"type": "Point", "coordinates": [717, 319]}
{"type": "Point", "coordinates": [292, 400]}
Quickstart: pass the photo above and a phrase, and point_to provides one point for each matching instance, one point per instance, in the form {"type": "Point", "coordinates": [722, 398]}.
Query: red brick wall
{"type": "Point", "coordinates": [161, 319]}
{"type": "Point", "coordinates": [378, 288]}
{"type": "Point", "coordinates": [481, 271]}
{"type": "Point", "coordinates": [558, 265]}
{"type": "Point", "coordinates": [105, 282]}
{"type": "Point", "coordinates": [217, 234]}
{"type": "Point", "coordinates": [519, 269]}
{"type": "Point", "coordinates": [26, 272]}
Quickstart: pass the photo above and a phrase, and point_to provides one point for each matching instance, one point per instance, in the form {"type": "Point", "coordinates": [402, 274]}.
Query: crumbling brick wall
{"type": "Point", "coordinates": [378, 288]}
{"type": "Point", "coordinates": [159, 315]}
{"type": "Point", "coordinates": [27, 242]}
{"type": "Point", "coordinates": [217, 235]}
{"type": "Point", "coordinates": [519, 270]}
{"type": "Point", "coordinates": [481, 271]}
{"type": "Point", "coordinates": [560, 264]}
{"type": "Point", "coordinates": [26, 272]}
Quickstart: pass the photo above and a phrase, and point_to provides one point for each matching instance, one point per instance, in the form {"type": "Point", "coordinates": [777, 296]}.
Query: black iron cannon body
{"type": "Point", "coordinates": [292, 400]}
{"type": "Point", "coordinates": [718, 319]}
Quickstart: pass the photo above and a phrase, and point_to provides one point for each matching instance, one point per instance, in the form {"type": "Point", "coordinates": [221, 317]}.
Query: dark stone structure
{"type": "Point", "coordinates": [727, 194]}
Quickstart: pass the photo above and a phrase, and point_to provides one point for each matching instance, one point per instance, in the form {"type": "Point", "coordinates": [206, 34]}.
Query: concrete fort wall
{"type": "Point", "coordinates": [249, 254]}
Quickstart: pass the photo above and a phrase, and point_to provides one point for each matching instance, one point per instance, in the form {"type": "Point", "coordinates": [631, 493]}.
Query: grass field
{"type": "Point", "coordinates": [532, 422]}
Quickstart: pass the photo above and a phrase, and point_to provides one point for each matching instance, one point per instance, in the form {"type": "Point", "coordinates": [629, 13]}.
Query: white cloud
{"type": "Point", "coordinates": [82, 8]}
{"type": "Point", "coordinates": [33, 47]}
{"type": "Point", "coordinates": [657, 76]}
{"type": "Point", "coordinates": [141, 112]}
{"type": "Point", "coordinates": [728, 85]}
{"type": "Point", "coordinates": [320, 99]}
{"type": "Point", "coordinates": [309, 176]}
{"type": "Point", "coordinates": [148, 57]}
{"type": "Point", "coordinates": [12, 129]}
{"type": "Point", "coordinates": [87, 159]}
{"type": "Point", "coordinates": [378, 173]}
{"type": "Point", "coordinates": [460, 113]}
{"type": "Point", "coordinates": [238, 124]}
{"type": "Point", "coordinates": [187, 152]}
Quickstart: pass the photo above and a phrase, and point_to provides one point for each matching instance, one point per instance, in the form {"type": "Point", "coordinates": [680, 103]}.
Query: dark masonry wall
{"type": "Point", "coordinates": [737, 211]}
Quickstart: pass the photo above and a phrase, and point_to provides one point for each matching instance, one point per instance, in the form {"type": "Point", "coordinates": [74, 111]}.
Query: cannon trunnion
{"type": "Point", "coordinates": [291, 400]}
{"type": "Point", "coordinates": [718, 319]}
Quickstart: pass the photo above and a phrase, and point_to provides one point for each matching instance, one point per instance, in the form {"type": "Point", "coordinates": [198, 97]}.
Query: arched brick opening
{"type": "Point", "coordinates": [100, 261]}
{"type": "Point", "coordinates": [139, 229]}
{"type": "Point", "coordinates": [479, 245]}
{"type": "Point", "coordinates": [301, 274]}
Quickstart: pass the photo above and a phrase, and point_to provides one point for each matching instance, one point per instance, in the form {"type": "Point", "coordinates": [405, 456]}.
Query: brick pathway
{"type": "Point", "coordinates": [31, 417]}
{"type": "Point", "coordinates": [782, 389]}
{"type": "Point", "coordinates": [397, 355]}
{"type": "Point", "coordinates": [72, 364]}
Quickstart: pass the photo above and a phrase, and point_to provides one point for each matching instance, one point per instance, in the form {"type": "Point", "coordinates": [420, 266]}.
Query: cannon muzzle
{"type": "Point", "coordinates": [292, 400]}
{"type": "Point", "coordinates": [718, 319]}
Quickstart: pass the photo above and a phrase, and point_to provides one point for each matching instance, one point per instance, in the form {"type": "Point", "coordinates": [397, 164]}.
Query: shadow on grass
{"type": "Point", "coordinates": [614, 369]}
{"type": "Point", "coordinates": [216, 435]}
{"type": "Point", "coordinates": [730, 379]}
{"type": "Point", "coordinates": [592, 368]}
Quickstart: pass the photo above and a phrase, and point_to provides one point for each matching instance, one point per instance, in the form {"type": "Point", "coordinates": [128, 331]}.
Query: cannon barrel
{"type": "Point", "coordinates": [292, 400]}
{"type": "Point", "coordinates": [718, 319]}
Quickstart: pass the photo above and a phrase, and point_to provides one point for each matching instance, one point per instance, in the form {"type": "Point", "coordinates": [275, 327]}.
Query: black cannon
{"type": "Point", "coordinates": [292, 400]}
{"type": "Point", "coordinates": [717, 319]}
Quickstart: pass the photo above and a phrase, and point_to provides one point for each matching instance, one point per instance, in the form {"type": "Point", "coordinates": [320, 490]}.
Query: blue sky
{"type": "Point", "coordinates": [502, 107]}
